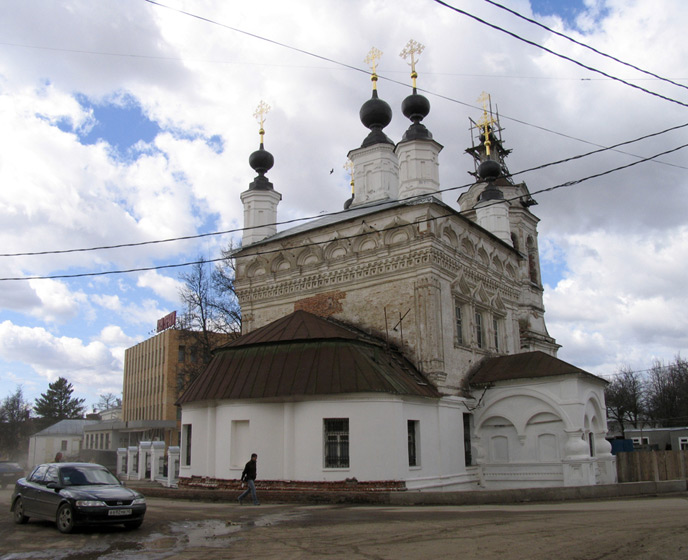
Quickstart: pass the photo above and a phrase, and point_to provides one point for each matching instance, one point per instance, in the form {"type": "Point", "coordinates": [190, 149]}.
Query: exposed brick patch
{"type": "Point", "coordinates": [206, 483]}
{"type": "Point", "coordinates": [323, 305]}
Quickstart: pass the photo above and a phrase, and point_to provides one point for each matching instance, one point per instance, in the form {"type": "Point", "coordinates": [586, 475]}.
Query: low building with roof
{"type": "Point", "coordinates": [65, 436]}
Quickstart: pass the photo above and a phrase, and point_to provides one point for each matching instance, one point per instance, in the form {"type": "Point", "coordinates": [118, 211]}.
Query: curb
{"type": "Point", "coordinates": [406, 498]}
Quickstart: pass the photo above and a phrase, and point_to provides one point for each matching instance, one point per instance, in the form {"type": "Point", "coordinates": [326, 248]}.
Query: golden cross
{"type": "Point", "coordinates": [412, 49]}
{"type": "Point", "coordinates": [262, 110]}
{"type": "Point", "coordinates": [486, 120]}
{"type": "Point", "coordinates": [349, 166]}
{"type": "Point", "coordinates": [371, 60]}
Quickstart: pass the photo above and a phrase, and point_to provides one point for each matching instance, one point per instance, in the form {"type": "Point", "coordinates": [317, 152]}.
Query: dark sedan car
{"type": "Point", "coordinates": [76, 494]}
{"type": "Point", "coordinates": [10, 473]}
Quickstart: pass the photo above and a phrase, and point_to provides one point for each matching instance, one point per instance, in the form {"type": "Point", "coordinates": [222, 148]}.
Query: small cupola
{"type": "Point", "coordinates": [417, 152]}
{"type": "Point", "coordinates": [376, 167]}
{"type": "Point", "coordinates": [261, 199]}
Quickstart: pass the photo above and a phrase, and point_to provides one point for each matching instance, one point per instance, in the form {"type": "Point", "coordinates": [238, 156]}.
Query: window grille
{"type": "Point", "coordinates": [467, 439]}
{"type": "Point", "coordinates": [459, 323]}
{"type": "Point", "coordinates": [412, 443]}
{"type": "Point", "coordinates": [336, 443]}
{"type": "Point", "coordinates": [479, 329]}
{"type": "Point", "coordinates": [495, 326]}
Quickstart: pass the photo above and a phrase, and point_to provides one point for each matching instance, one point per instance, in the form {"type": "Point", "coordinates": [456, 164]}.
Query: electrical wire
{"type": "Point", "coordinates": [306, 245]}
{"type": "Point", "coordinates": [305, 218]}
{"type": "Point", "coordinates": [562, 35]}
{"type": "Point", "coordinates": [559, 55]}
{"type": "Point", "coordinates": [380, 76]}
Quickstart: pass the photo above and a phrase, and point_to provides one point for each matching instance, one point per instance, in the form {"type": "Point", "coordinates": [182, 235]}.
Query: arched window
{"type": "Point", "coordinates": [532, 260]}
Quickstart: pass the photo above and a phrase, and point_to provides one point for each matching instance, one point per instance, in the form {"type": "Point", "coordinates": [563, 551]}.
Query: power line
{"type": "Point", "coordinates": [367, 72]}
{"type": "Point", "coordinates": [305, 245]}
{"type": "Point", "coordinates": [282, 65]}
{"type": "Point", "coordinates": [304, 218]}
{"type": "Point", "coordinates": [544, 165]}
{"type": "Point", "coordinates": [562, 56]}
{"type": "Point", "coordinates": [562, 35]}
{"type": "Point", "coordinates": [339, 63]}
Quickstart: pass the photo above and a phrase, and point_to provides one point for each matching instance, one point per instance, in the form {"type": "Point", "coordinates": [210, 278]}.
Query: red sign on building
{"type": "Point", "coordinates": [167, 321]}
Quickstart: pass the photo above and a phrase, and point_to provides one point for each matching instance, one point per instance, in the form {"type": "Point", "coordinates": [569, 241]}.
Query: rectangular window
{"type": "Point", "coordinates": [63, 445]}
{"type": "Point", "coordinates": [336, 433]}
{"type": "Point", "coordinates": [186, 445]}
{"type": "Point", "coordinates": [479, 329]}
{"type": "Point", "coordinates": [413, 440]}
{"type": "Point", "coordinates": [495, 327]}
{"type": "Point", "coordinates": [640, 441]}
{"type": "Point", "coordinates": [181, 354]}
{"type": "Point", "coordinates": [468, 456]}
{"type": "Point", "coordinates": [683, 443]}
{"type": "Point", "coordinates": [459, 323]}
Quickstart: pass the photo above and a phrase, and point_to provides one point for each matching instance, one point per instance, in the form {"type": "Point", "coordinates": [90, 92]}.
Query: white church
{"type": "Point", "coordinates": [399, 343]}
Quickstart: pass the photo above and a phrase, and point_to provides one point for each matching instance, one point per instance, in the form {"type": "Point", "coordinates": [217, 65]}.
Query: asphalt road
{"type": "Point", "coordinates": [648, 529]}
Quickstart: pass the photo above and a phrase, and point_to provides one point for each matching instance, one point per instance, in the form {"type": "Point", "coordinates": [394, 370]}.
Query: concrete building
{"type": "Point", "coordinates": [400, 342]}
{"type": "Point", "coordinates": [150, 387]}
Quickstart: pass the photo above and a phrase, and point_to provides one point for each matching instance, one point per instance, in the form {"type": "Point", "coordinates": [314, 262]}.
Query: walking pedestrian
{"type": "Point", "coordinates": [249, 476]}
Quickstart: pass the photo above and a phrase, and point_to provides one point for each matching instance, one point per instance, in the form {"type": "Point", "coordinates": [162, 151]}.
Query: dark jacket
{"type": "Point", "coordinates": [249, 471]}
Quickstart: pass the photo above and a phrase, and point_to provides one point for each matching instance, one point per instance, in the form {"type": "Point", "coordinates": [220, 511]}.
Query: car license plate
{"type": "Point", "coordinates": [116, 512]}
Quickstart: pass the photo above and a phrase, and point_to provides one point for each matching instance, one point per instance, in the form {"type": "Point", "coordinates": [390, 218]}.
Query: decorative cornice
{"type": "Point", "coordinates": [265, 287]}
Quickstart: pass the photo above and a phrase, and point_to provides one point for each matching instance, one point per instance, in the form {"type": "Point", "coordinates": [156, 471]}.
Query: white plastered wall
{"type": "Point", "coordinates": [288, 438]}
{"type": "Point", "coordinates": [536, 433]}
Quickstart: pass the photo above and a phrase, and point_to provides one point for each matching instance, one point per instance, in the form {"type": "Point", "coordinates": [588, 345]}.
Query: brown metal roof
{"type": "Point", "coordinates": [528, 365]}
{"type": "Point", "coordinates": [305, 355]}
{"type": "Point", "coordinates": [299, 325]}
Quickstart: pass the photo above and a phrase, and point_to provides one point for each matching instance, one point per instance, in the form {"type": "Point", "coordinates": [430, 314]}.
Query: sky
{"type": "Point", "coordinates": [132, 121]}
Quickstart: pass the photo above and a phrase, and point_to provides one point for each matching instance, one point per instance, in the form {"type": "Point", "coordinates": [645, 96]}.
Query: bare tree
{"type": "Point", "coordinates": [108, 401]}
{"type": "Point", "coordinates": [667, 393]}
{"type": "Point", "coordinates": [211, 310]}
{"type": "Point", "coordinates": [625, 399]}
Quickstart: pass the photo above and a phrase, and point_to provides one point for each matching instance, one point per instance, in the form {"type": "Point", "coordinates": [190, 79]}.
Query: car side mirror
{"type": "Point", "coordinates": [54, 485]}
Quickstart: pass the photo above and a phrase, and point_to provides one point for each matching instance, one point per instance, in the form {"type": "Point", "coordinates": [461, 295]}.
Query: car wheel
{"type": "Point", "coordinates": [133, 524]}
{"type": "Point", "coordinates": [65, 519]}
{"type": "Point", "coordinates": [18, 512]}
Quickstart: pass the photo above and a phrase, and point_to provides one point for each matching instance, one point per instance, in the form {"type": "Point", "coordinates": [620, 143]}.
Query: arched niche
{"type": "Point", "coordinates": [450, 237]}
{"type": "Point", "coordinates": [259, 267]}
{"type": "Point", "coordinates": [467, 247]}
{"type": "Point", "coordinates": [336, 250]}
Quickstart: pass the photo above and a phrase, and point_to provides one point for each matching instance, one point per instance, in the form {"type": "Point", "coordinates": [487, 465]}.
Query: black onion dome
{"type": "Point", "coordinates": [375, 114]}
{"type": "Point", "coordinates": [261, 161]}
{"type": "Point", "coordinates": [489, 170]}
{"type": "Point", "coordinates": [416, 107]}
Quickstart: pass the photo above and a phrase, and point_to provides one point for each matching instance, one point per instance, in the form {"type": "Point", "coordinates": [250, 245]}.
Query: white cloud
{"type": "Point", "coordinates": [622, 298]}
{"type": "Point", "coordinates": [163, 286]}
{"type": "Point", "coordinates": [84, 365]}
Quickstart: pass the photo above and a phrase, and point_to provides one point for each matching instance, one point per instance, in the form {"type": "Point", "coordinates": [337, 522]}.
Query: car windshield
{"type": "Point", "coordinates": [82, 476]}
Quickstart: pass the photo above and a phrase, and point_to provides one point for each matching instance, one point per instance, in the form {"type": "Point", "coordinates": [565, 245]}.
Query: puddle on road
{"type": "Point", "coordinates": [216, 533]}
{"type": "Point", "coordinates": [213, 533]}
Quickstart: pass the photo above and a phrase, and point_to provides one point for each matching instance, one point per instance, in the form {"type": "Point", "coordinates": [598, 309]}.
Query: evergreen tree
{"type": "Point", "coordinates": [57, 402]}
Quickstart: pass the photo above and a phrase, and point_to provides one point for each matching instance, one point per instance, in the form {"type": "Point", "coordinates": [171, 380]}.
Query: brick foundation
{"type": "Point", "coordinates": [206, 483]}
